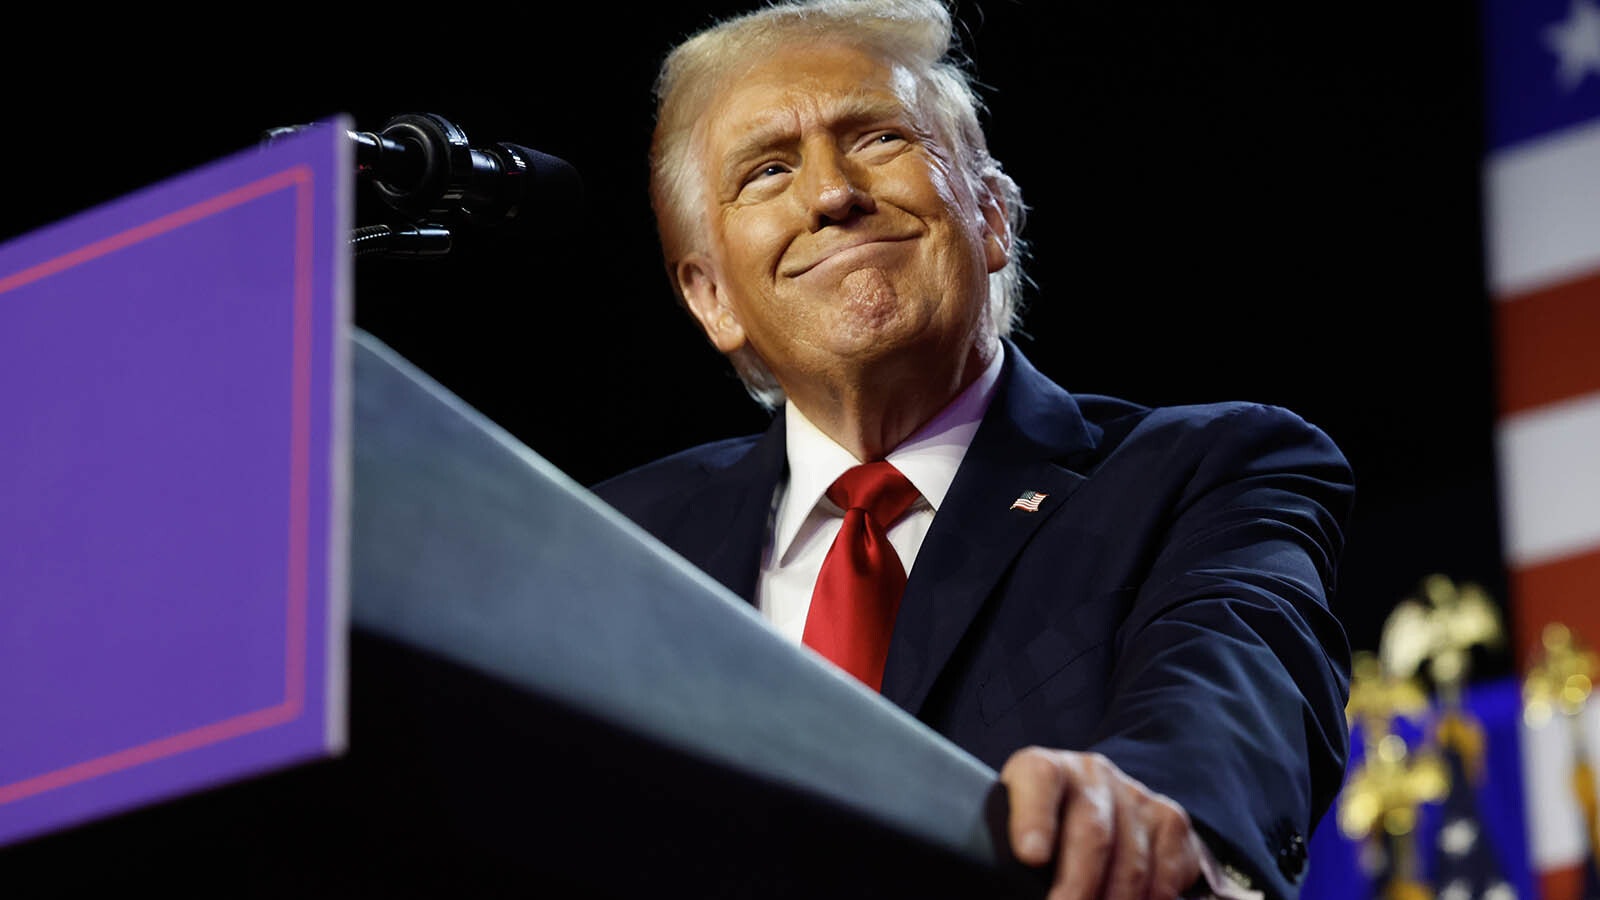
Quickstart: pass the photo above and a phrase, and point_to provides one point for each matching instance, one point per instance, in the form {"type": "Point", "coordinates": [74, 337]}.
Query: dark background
{"type": "Point", "coordinates": [1276, 204]}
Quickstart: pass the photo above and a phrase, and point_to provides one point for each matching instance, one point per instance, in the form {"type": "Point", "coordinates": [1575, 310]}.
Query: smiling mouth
{"type": "Point", "coordinates": [841, 253]}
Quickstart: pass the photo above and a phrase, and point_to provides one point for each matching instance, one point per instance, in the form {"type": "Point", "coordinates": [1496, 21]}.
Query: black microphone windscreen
{"type": "Point", "coordinates": [552, 185]}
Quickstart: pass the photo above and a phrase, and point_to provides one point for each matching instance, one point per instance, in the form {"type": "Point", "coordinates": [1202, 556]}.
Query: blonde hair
{"type": "Point", "coordinates": [915, 34]}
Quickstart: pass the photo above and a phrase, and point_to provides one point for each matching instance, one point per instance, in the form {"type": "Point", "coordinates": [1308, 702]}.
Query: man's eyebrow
{"type": "Point", "coordinates": [773, 130]}
{"type": "Point", "coordinates": [777, 128]}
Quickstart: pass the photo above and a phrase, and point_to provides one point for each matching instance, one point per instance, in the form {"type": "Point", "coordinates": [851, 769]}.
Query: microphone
{"type": "Point", "coordinates": [423, 165]}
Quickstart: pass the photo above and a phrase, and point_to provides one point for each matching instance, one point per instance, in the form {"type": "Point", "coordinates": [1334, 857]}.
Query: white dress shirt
{"type": "Point", "coordinates": [804, 521]}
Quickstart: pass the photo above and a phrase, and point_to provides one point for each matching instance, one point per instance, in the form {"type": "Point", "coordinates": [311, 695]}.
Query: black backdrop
{"type": "Point", "coordinates": [1278, 205]}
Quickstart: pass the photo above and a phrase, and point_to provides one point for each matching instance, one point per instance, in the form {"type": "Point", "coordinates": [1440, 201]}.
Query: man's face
{"type": "Point", "coordinates": [841, 234]}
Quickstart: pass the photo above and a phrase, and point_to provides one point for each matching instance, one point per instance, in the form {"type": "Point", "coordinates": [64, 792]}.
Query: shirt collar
{"type": "Point", "coordinates": [929, 457]}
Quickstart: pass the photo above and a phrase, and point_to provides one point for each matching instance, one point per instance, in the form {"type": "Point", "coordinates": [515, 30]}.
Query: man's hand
{"type": "Point", "coordinates": [1111, 836]}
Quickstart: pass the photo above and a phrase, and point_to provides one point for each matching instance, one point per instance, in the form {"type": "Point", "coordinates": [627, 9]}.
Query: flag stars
{"type": "Point", "coordinates": [1500, 890]}
{"type": "Point", "coordinates": [1458, 838]}
{"type": "Point", "coordinates": [1460, 889]}
{"type": "Point", "coordinates": [1576, 40]}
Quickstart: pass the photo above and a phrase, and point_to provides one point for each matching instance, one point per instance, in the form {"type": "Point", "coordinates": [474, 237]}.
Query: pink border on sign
{"type": "Point", "coordinates": [294, 687]}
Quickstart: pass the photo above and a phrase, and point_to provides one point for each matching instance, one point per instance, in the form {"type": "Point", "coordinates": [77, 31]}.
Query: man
{"type": "Point", "coordinates": [1124, 610]}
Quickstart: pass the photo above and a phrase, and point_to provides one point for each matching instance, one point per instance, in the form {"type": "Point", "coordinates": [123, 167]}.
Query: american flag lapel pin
{"type": "Point", "coordinates": [1029, 501]}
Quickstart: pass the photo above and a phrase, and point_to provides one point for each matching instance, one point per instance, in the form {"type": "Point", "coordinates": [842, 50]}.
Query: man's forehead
{"type": "Point", "coordinates": [787, 114]}
{"type": "Point", "coordinates": [769, 102]}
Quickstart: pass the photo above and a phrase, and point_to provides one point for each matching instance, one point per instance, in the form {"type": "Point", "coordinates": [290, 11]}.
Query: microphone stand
{"type": "Point", "coordinates": [404, 241]}
{"type": "Point", "coordinates": [421, 165]}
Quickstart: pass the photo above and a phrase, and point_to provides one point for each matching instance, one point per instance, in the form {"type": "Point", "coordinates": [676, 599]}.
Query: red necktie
{"type": "Point", "coordinates": [858, 590]}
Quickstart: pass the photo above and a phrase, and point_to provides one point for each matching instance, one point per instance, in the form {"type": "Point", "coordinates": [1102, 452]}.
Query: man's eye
{"type": "Point", "coordinates": [769, 171]}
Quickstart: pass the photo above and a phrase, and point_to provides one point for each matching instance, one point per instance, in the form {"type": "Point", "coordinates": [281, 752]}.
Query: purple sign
{"type": "Point", "coordinates": [174, 480]}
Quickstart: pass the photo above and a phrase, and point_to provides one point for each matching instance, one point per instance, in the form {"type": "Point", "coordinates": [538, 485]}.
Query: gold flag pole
{"type": "Point", "coordinates": [1378, 806]}
{"type": "Point", "coordinates": [1560, 680]}
{"type": "Point", "coordinates": [1381, 801]}
{"type": "Point", "coordinates": [1439, 633]}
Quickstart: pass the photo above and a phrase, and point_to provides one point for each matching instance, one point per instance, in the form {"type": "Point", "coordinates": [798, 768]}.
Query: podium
{"type": "Point", "coordinates": [639, 700]}
{"type": "Point", "coordinates": [545, 701]}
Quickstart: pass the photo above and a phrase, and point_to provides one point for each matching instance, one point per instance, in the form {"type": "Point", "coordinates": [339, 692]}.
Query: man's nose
{"type": "Point", "coordinates": [835, 189]}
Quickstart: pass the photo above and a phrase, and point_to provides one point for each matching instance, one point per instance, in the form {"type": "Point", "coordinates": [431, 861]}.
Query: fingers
{"type": "Point", "coordinates": [1176, 850]}
{"type": "Point", "coordinates": [1035, 785]}
{"type": "Point", "coordinates": [1111, 836]}
{"type": "Point", "coordinates": [1101, 849]}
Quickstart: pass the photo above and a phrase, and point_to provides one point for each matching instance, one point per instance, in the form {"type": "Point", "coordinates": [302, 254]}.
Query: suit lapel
{"type": "Point", "coordinates": [731, 513]}
{"type": "Point", "coordinates": [1031, 423]}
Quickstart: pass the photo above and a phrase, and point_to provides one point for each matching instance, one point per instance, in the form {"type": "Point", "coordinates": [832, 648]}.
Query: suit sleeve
{"type": "Point", "coordinates": [1232, 673]}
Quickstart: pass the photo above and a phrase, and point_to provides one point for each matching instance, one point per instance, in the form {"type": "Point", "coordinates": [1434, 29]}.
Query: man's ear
{"type": "Point", "coordinates": [997, 226]}
{"type": "Point", "coordinates": [703, 293]}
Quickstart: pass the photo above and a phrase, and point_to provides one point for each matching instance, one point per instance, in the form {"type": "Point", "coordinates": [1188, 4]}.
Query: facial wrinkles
{"type": "Point", "coordinates": [801, 112]}
{"type": "Point", "coordinates": [788, 118]}
{"type": "Point", "coordinates": [810, 137]}
{"type": "Point", "coordinates": [947, 153]}
{"type": "Point", "coordinates": [813, 129]}
{"type": "Point", "coordinates": [869, 296]}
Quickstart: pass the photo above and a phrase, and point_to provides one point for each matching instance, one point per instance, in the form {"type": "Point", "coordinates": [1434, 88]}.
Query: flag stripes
{"type": "Point", "coordinates": [1541, 194]}
{"type": "Point", "coordinates": [1545, 343]}
{"type": "Point", "coordinates": [1542, 213]}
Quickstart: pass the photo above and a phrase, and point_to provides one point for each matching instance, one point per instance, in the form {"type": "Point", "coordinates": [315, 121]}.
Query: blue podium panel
{"type": "Point", "coordinates": [174, 475]}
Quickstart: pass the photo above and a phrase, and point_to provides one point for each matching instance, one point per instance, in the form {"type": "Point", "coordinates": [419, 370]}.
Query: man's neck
{"type": "Point", "coordinates": [871, 415]}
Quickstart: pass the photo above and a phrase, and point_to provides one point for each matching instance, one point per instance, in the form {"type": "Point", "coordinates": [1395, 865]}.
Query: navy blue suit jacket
{"type": "Point", "coordinates": [1167, 605]}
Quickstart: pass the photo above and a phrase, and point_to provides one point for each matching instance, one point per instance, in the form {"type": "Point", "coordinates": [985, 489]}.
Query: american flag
{"type": "Point", "coordinates": [1541, 179]}
{"type": "Point", "coordinates": [1028, 501]}
{"type": "Point", "coordinates": [1466, 864]}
